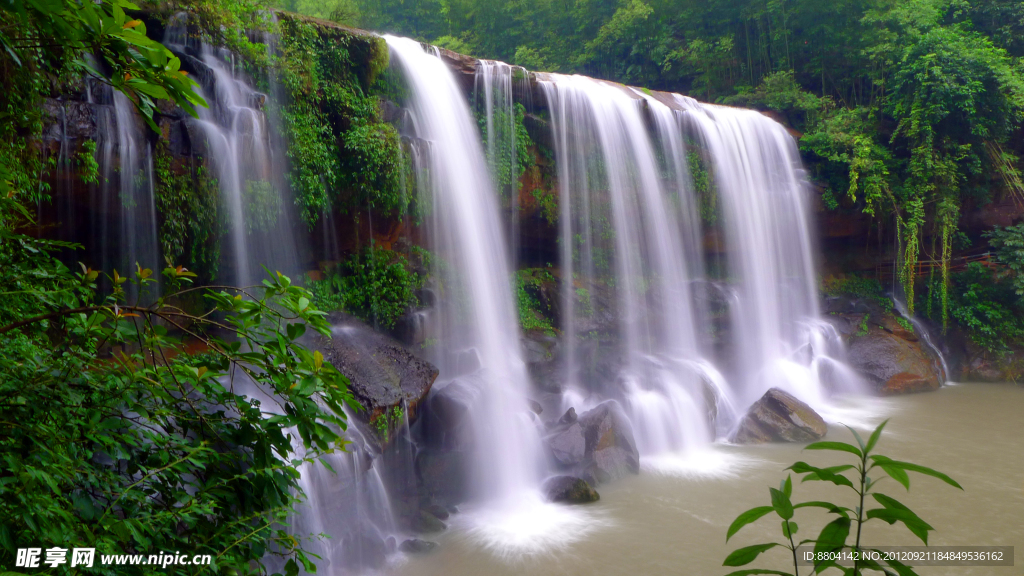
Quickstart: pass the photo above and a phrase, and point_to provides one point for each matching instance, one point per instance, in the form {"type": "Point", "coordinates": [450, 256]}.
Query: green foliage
{"type": "Point", "coordinates": [707, 197]}
{"type": "Point", "coordinates": [511, 140]}
{"type": "Point", "coordinates": [89, 168]}
{"type": "Point", "coordinates": [387, 421]}
{"type": "Point", "coordinates": [41, 37]}
{"type": "Point", "coordinates": [985, 305]}
{"type": "Point", "coordinates": [1009, 245]}
{"type": "Point", "coordinates": [342, 154]}
{"type": "Point", "coordinates": [533, 315]}
{"type": "Point", "coordinates": [531, 59]}
{"type": "Point", "coordinates": [376, 285]}
{"type": "Point", "coordinates": [548, 202]}
{"type": "Point", "coordinates": [857, 287]}
{"type": "Point", "coordinates": [262, 206]}
{"type": "Point", "coordinates": [187, 202]}
{"type": "Point", "coordinates": [862, 329]}
{"type": "Point", "coordinates": [848, 522]}
{"type": "Point", "coordinates": [112, 436]}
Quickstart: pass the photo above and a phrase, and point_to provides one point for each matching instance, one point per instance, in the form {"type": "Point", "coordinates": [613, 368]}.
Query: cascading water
{"type": "Point", "coordinates": [124, 227]}
{"type": "Point", "coordinates": [479, 350]}
{"type": "Point", "coordinates": [626, 228]}
{"type": "Point", "coordinates": [781, 340]}
{"type": "Point", "coordinates": [239, 146]}
{"type": "Point", "coordinates": [494, 89]}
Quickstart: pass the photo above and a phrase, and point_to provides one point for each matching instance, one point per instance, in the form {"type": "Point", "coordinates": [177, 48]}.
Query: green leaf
{"type": "Point", "coordinates": [875, 436]}
{"type": "Point", "coordinates": [927, 472]}
{"type": "Point", "coordinates": [833, 535]}
{"type": "Point", "coordinates": [919, 527]}
{"type": "Point", "coordinates": [746, 555]}
{"type": "Point", "coordinates": [824, 474]}
{"type": "Point", "coordinates": [856, 436]}
{"type": "Point", "coordinates": [758, 571]}
{"type": "Point", "coordinates": [895, 472]}
{"type": "Point", "coordinates": [789, 528]}
{"type": "Point", "coordinates": [745, 518]}
{"type": "Point", "coordinates": [838, 446]}
{"type": "Point", "coordinates": [780, 502]}
{"type": "Point", "coordinates": [826, 505]}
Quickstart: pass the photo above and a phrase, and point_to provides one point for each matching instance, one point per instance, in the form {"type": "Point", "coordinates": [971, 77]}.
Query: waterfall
{"type": "Point", "coordinates": [494, 88]}
{"type": "Point", "coordinates": [780, 339]}
{"type": "Point", "coordinates": [627, 226]}
{"type": "Point", "coordinates": [124, 226]}
{"type": "Point", "coordinates": [479, 351]}
{"type": "Point", "coordinates": [240, 147]}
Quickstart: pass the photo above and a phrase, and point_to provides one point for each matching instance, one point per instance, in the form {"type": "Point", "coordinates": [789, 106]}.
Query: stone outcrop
{"type": "Point", "coordinates": [891, 358]}
{"type": "Point", "coordinates": [382, 372]}
{"type": "Point", "coordinates": [894, 361]}
{"type": "Point", "coordinates": [779, 417]}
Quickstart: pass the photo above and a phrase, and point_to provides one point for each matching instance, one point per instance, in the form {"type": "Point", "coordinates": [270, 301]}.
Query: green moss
{"type": "Point", "coordinates": [533, 315]}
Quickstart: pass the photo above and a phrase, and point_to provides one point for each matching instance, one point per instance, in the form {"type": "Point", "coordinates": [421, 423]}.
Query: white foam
{"type": "Point", "coordinates": [704, 463]}
{"type": "Point", "coordinates": [527, 526]}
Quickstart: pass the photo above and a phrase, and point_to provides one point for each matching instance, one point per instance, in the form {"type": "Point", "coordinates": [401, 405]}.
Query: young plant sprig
{"type": "Point", "coordinates": [834, 537]}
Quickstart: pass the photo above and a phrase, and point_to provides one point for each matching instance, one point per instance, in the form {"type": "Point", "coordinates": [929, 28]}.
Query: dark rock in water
{"type": "Point", "coordinates": [446, 415]}
{"type": "Point", "coordinates": [780, 417]}
{"type": "Point", "coordinates": [382, 372]}
{"type": "Point", "coordinates": [417, 546]}
{"type": "Point", "coordinates": [441, 476]}
{"type": "Point", "coordinates": [426, 523]}
{"type": "Point", "coordinates": [391, 543]}
{"type": "Point", "coordinates": [362, 550]}
{"type": "Point", "coordinates": [568, 445]}
{"type": "Point", "coordinates": [893, 362]}
{"type": "Point", "coordinates": [535, 406]}
{"type": "Point", "coordinates": [569, 417]}
{"type": "Point", "coordinates": [610, 451]}
{"type": "Point", "coordinates": [569, 490]}
{"type": "Point", "coordinates": [438, 511]}
{"type": "Point", "coordinates": [452, 509]}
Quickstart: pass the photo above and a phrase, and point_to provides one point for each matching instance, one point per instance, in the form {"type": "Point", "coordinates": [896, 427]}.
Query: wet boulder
{"type": "Point", "coordinates": [569, 490]}
{"type": "Point", "coordinates": [441, 476]}
{"type": "Point", "coordinates": [893, 360]}
{"type": "Point", "coordinates": [383, 374]}
{"type": "Point", "coordinates": [567, 445]}
{"type": "Point", "coordinates": [610, 452]}
{"type": "Point", "coordinates": [779, 417]}
{"type": "Point", "coordinates": [417, 546]}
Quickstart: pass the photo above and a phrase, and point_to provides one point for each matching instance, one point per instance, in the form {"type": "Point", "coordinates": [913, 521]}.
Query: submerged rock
{"type": "Point", "coordinates": [610, 451]}
{"type": "Point", "coordinates": [779, 417]}
{"type": "Point", "coordinates": [426, 523]}
{"type": "Point", "coordinates": [417, 546]}
{"type": "Point", "coordinates": [570, 490]}
{"type": "Point", "coordinates": [383, 373]}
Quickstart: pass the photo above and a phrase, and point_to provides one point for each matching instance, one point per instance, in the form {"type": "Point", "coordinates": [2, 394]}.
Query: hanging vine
{"type": "Point", "coordinates": [911, 232]}
{"type": "Point", "coordinates": [948, 213]}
